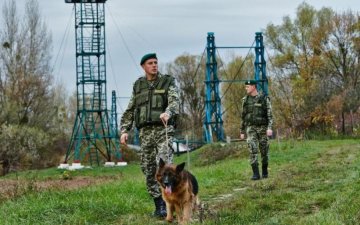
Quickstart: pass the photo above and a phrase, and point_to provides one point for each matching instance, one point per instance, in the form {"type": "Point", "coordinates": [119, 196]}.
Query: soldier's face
{"type": "Point", "coordinates": [150, 67]}
{"type": "Point", "coordinates": [250, 89]}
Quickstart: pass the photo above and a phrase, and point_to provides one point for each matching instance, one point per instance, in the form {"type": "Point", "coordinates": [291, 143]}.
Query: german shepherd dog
{"type": "Point", "coordinates": [179, 189]}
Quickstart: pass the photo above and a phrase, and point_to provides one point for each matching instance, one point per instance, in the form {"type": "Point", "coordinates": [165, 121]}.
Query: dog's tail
{"type": "Point", "coordinates": [194, 183]}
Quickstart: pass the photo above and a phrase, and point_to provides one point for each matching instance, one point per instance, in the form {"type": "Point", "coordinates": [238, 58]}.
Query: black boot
{"type": "Point", "coordinates": [160, 207]}
{"type": "Point", "coordinates": [256, 174]}
{"type": "Point", "coordinates": [265, 173]}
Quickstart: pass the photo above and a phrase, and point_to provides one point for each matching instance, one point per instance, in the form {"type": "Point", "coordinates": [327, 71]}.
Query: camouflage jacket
{"type": "Point", "coordinates": [246, 117]}
{"type": "Point", "coordinates": [172, 108]}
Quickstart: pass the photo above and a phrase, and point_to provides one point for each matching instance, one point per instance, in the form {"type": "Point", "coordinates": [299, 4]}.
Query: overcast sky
{"type": "Point", "coordinates": [167, 27]}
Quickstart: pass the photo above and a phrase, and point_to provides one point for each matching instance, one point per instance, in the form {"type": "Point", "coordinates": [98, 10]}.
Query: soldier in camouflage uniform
{"type": "Point", "coordinates": [153, 105]}
{"type": "Point", "coordinates": [256, 122]}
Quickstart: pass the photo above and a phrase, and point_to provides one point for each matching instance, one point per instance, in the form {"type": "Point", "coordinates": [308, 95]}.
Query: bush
{"type": "Point", "coordinates": [129, 154]}
{"type": "Point", "coordinates": [21, 146]}
{"type": "Point", "coordinates": [209, 154]}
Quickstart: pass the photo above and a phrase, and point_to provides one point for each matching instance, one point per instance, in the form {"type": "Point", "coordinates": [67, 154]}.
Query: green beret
{"type": "Point", "coordinates": [147, 56]}
{"type": "Point", "coordinates": [250, 82]}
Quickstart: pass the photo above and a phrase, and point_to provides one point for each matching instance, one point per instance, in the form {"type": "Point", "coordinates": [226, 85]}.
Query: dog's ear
{"type": "Point", "coordinates": [180, 167]}
{"type": "Point", "coordinates": [161, 163]}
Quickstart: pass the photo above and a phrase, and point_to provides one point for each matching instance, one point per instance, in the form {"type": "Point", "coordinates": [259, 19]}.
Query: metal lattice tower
{"type": "Point", "coordinates": [213, 116]}
{"type": "Point", "coordinates": [114, 127]}
{"type": "Point", "coordinates": [260, 64]}
{"type": "Point", "coordinates": [93, 138]}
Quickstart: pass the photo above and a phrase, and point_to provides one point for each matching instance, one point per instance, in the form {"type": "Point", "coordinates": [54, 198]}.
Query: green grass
{"type": "Point", "coordinates": [312, 182]}
{"type": "Point", "coordinates": [54, 173]}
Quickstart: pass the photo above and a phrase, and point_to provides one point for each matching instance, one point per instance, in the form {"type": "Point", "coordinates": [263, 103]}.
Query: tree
{"type": "Point", "coordinates": [314, 58]}
{"type": "Point", "coordinates": [189, 73]}
{"type": "Point", "coordinates": [341, 55]}
{"type": "Point", "coordinates": [238, 68]}
{"type": "Point", "coordinates": [26, 66]}
{"type": "Point", "coordinates": [28, 98]}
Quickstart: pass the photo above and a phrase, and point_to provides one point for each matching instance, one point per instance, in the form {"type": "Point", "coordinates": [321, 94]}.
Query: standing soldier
{"type": "Point", "coordinates": [153, 105]}
{"type": "Point", "coordinates": [256, 121]}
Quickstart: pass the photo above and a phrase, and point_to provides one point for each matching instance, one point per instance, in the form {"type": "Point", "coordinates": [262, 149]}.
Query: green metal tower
{"type": "Point", "coordinates": [114, 128]}
{"type": "Point", "coordinates": [213, 122]}
{"type": "Point", "coordinates": [92, 139]}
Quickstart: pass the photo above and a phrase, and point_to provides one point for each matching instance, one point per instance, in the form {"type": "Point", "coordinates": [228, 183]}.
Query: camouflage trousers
{"type": "Point", "coordinates": [153, 147]}
{"type": "Point", "coordinates": [257, 139]}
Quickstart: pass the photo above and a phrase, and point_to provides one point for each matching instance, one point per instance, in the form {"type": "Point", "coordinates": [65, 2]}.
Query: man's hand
{"type": "Point", "coordinates": [242, 136]}
{"type": "Point", "coordinates": [269, 133]}
{"type": "Point", "coordinates": [164, 118]}
{"type": "Point", "coordinates": [123, 138]}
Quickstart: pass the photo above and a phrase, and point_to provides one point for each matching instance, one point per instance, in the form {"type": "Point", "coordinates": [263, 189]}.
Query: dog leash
{"type": "Point", "coordinates": [166, 135]}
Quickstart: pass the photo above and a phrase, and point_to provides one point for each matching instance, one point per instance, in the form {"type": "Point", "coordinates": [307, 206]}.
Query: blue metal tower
{"type": "Point", "coordinates": [213, 122]}
{"type": "Point", "coordinates": [114, 128]}
{"type": "Point", "coordinates": [213, 116]}
{"type": "Point", "coordinates": [92, 134]}
{"type": "Point", "coordinates": [260, 64]}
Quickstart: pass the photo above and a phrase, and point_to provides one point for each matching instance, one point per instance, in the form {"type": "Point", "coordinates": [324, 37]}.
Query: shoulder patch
{"type": "Point", "coordinates": [141, 77]}
{"type": "Point", "coordinates": [168, 76]}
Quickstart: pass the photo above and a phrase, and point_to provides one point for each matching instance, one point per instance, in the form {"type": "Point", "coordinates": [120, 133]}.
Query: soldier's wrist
{"type": "Point", "coordinates": [123, 132]}
{"type": "Point", "coordinates": [168, 112]}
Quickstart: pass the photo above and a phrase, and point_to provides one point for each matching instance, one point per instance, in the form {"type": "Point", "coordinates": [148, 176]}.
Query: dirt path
{"type": "Point", "coordinates": [15, 188]}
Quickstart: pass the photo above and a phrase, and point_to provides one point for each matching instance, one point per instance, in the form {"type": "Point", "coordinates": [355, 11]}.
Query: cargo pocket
{"type": "Point", "coordinates": [155, 115]}
{"type": "Point", "coordinates": [157, 101]}
{"type": "Point", "coordinates": [141, 109]}
{"type": "Point", "coordinates": [156, 107]}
